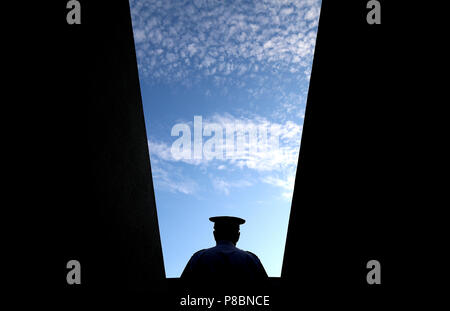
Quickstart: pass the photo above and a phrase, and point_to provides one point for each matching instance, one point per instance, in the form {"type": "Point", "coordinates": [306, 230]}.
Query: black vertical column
{"type": "Point", "coordinates": [101, 190]}
{"type": "Point", "coordinates": [352, 200]}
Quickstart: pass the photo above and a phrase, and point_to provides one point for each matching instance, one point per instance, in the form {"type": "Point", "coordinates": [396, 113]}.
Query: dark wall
{"type": "Point", "coordinates": [101, 190]}
{"type": "Point", "coordinates": [352, 200]}
{"type": "Point", "coordinates": [120, 166]}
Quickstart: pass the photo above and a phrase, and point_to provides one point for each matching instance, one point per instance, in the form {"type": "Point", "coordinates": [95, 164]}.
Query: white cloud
{"type": "Point", "coordinates": [286, 183]}
{"type": "Point", "coordinates": [170, 178]}
{"type": "Point", "coordinates": [312, 14]}
{"type": "Point", "coordinates": [276, 168]}
{"type": "Point", "coordinates": [139, 35]}
{"type": "Point", "coordinates": [280, 158]}
{"type": "Point", "coordinates": [223, 186]}
{"type": "Point", "coordinates": [160, 150]}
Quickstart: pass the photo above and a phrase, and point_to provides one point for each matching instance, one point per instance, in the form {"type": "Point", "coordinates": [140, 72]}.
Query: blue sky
{"type": "Point", "coordinates": [230, 62]}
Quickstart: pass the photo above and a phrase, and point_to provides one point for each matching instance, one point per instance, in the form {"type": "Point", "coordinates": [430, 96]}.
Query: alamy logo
{"type": "Point", "coordinates": [74, 274]}
{"type": "Point", "coordinates": [374, 15]}
{"type": "Point", "coordinates": [236, 140]}
{"type": "Point", "coordinates": [74, 15]}
{"type": "Point", "coordinates": [374, 275]}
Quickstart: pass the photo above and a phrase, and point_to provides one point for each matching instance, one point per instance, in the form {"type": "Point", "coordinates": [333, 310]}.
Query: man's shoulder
{"type": "Point", "coordinates": [199, 252]}
{"type": "Point", "coordinates": [252, 255]}
{"type": "Point", "coordinates": [216, 249]}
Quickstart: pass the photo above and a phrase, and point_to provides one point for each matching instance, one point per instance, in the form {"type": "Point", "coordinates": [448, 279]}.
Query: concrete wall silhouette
{"type": "Point", "coordinates": [109, 219]}
{"type": "Point", "coordinates": [347, 203]}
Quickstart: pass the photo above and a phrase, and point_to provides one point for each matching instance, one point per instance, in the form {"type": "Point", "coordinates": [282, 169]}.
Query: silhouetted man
{"type": "Point", "coordinates": [224, 265]}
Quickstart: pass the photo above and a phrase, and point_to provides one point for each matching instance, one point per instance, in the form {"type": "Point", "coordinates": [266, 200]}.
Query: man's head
{"type": "Point", "coordinates": [226, 228]}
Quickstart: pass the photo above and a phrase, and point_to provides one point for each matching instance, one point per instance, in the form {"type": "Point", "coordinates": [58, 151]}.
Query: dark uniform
{"type": "Point", "coordinates": [224, 261]}
{"type": "Point", "coordinates": [224, 264]}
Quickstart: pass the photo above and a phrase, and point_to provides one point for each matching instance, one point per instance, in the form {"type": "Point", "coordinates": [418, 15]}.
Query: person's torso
{"type": "Point", "coordinates": [226, 261]}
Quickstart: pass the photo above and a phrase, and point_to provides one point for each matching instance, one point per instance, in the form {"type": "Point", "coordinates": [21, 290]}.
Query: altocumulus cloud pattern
{"type": "Point", "coordinates": [179, 39]}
